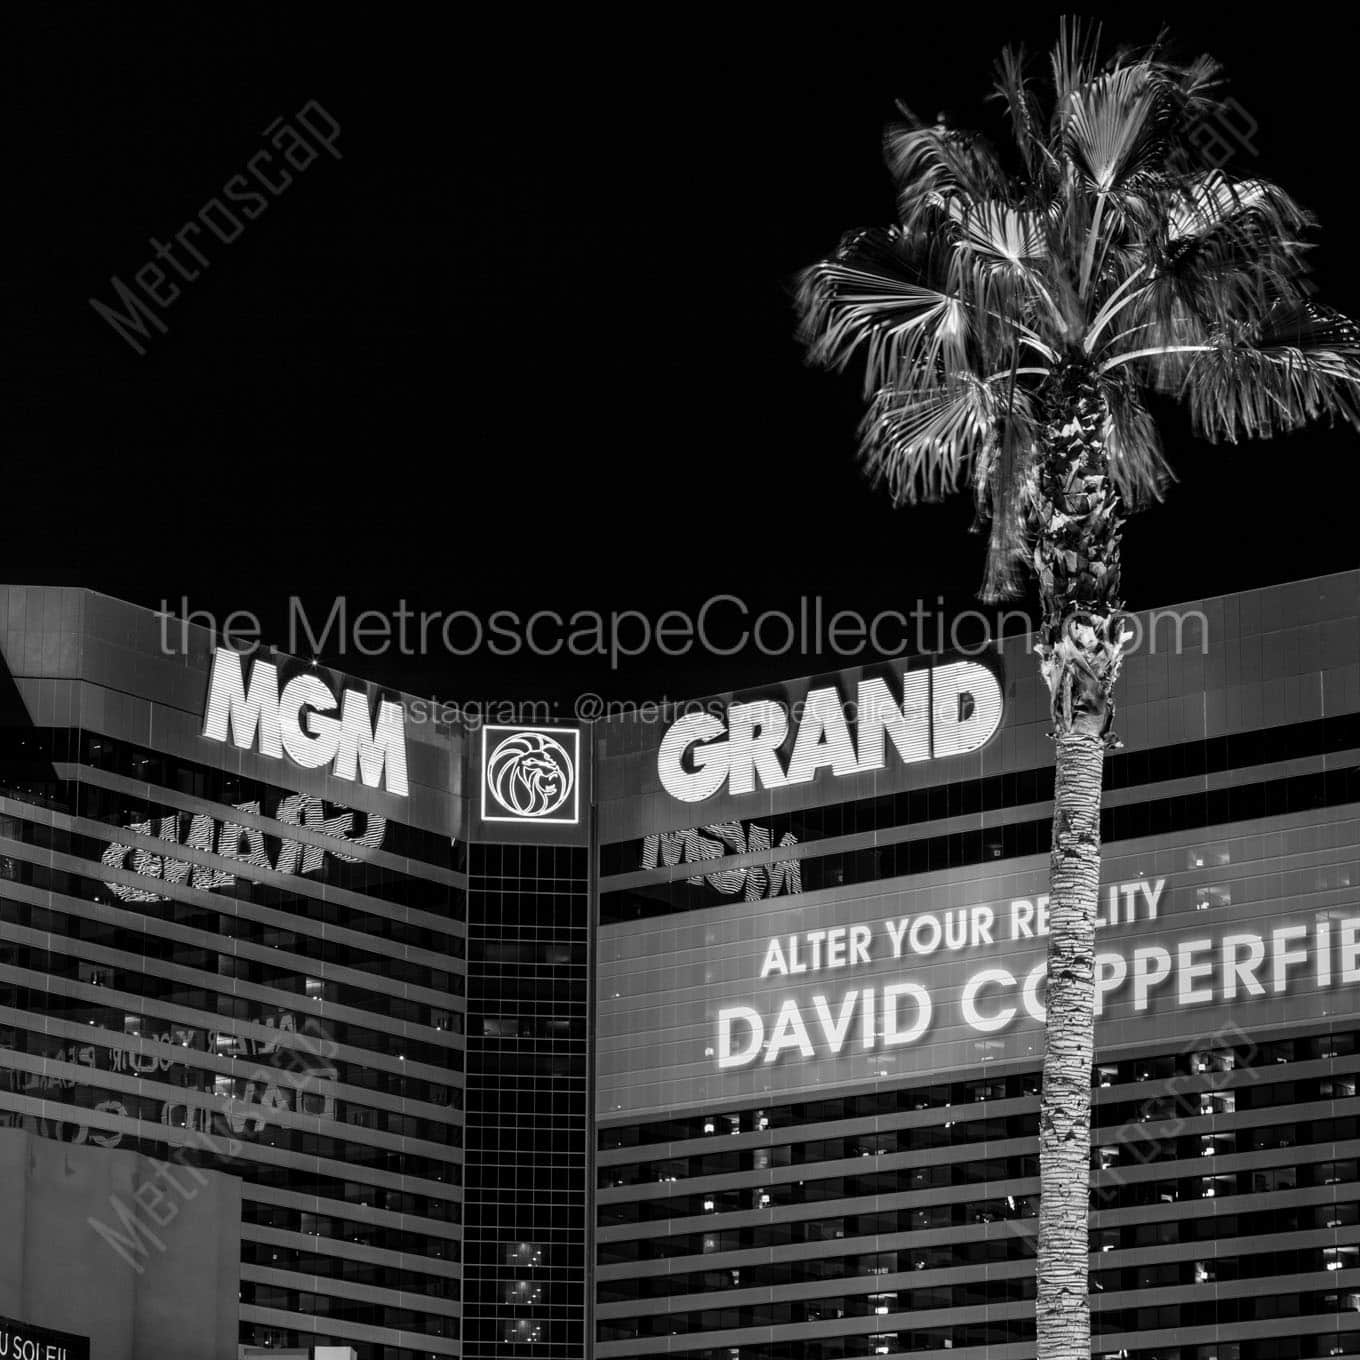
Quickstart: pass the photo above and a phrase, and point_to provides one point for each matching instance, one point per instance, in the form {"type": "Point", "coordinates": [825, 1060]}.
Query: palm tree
{"type": "Point", "coordinates": [1011, 324]}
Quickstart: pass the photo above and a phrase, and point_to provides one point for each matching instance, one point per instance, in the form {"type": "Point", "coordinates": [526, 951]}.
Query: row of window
{"type": "Point", "coordinates": [140, 936]}
{"type": "Point", "coordinates": [1141, 1151]}
{"type": "Point", "coordinates": [347, 1270]}
{"type": "Point", "coordinates": [987, 1250]}
{"type": "Point", "coordinates": [887, 1296]}
{"type": "Point", "coordinates": [975, 1171]}
{"type": "Point", "coordinates": [862, 1346]}
{"type": "Point", "coordinates": [27, 756]}
{"type": "Point", "coordinates": [968, 797]}
{"type": "Point", "coordinates": [1002, 1208]}
{"type": "Point", "coordinates": [1214, 1312]}
{"type": "Point", "coordinates": [339, 861]}
{"type": "Point", "coordinates": [1190, 1062]}
{"type": "Point", "coordinates": [293, 1079]}
{"type": "Point", "coordinates": [903, 859]}
{"type": "Point", "coordinates": [341, 1229]}
{"type": "Point", "coordinates": [251, 1117]}
{"type": "Point", "coordinates": [232, 1156]}
{"type": "Point", "coordinates": [214, 992]}
{"type": "Point", "coordinates": [288, 1300]}
{"type": "Point", "coordinates": [226, 1042]}
{"type": "Point", "coordinates": [272, 1338]}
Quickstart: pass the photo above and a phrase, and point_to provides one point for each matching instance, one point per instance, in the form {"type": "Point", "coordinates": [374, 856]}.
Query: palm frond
{"type": "Point", "coordinates": [870, 296]}
{"type": "Point", "coordinates": [999, 482]}
{"type": "Point", "coordinates": [1008, 323]}
{"type": "Point", "coordinates": [930, 164]}
{"type": "Point", "coordinates": [1013, 89]}
{"type": "Point", "coordinates": [922, 443]}
{"type": "Point", "coordinates": [1300, 363]}
{"type": "Point", "coordinates": [1115, 126]}
{"type": "Point", "coordinates": [1133, 446]}
{"type": "Point", "coordinates": [1073, 63]}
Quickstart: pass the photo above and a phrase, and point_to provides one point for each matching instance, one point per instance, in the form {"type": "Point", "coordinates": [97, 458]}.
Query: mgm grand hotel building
{"type": "Point", "coordinates": [712, 1037]}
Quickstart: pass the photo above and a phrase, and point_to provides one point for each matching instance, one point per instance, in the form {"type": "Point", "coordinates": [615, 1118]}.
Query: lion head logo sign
{"type": "Point", "coordinates": [529, 774]}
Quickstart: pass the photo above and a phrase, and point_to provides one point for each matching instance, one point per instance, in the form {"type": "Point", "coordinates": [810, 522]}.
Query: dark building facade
{"type": "Point", "coordinates": [709, 1033]}
{"type": "Point", "coordinates": [251, 923]}
{"type": "Point", "coordinates": [820, 991]}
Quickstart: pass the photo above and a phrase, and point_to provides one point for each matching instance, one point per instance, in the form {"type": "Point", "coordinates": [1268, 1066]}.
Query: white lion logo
{"type": "Point", "coordinates": [530, 774]}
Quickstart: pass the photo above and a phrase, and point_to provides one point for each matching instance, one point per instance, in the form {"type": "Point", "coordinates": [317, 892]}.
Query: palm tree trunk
{"type": "Point", "coordinates": [1063, 1317]}
{"type": "Point", "coordinates": [1075, 518]}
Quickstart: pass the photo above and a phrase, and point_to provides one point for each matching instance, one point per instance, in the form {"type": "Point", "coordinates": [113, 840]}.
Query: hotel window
{"type": "Point", "coordinates": [1214, 1060]}
{"type": "Point", "coordinates": [1209, 895]}
{"type": "Point", "coordinates": [1206, 856]}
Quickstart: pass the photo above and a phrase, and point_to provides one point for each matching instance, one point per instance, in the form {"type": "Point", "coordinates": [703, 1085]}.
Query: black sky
{"type": "Point", "coordinates": [529, 343]}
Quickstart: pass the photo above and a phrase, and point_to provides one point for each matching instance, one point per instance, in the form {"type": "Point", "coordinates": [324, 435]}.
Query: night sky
{"type": "Point", "coordinates": [529, 342]}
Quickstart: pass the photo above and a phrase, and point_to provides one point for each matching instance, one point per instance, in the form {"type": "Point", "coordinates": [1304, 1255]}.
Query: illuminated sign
{"type": "Point", "coordinates": [721, 839]}
{"type": "Point", "coordinates": [24, 1341]}
{"type": "Point", "coordinates": [945, 971]}
{"type": "Point", "coordinates": [529, 775]}
{"type": "Point", "coordinates": [298, 720]}
{"type": "Point", "coordinates": [944, 710]}
{"type": "Point", "coordinates": [240, 841]}
{"type": "Point", "coordinates": [1233, 967]}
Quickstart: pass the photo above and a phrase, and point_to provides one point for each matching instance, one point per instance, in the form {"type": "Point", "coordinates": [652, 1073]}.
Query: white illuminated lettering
{"type": "Point", "coordinates": [968, 1000]}
{"type": "Point", "coordinates": [835, 947]}
{"type": "Point", "coordinates": [774, 960]}
{"type": "Point", "coordinates": [314, 744]}
{"type": "Point", "coordinates": [1151, 967]}
{"type": "Point", "coordinates": [815, 938]}
{"type": "Point", "coordinates": [966, 707]}
{"type": "Point", "coordinates": [823, 740]}
{"type": "Point", "coordinates": [1189, 970]}
{"type": "Point", "coordinates": [896, 933]}
{"type": "Point", "coordinates": [879, 717]}
{"type": "Point", "coordinates": [1152, 894]}
{"type": "Point", "coordinates": [859, 944]}
{"type": "Point", "coordinates": [688, 736]}
{"type": "Point", "coordinates": [924, 936]}
{"type": "Point", "coordinates": [893, 1036]}
{"type": "Point", "coordinates": [789, 1032]}
{"type": "Point", "coordinates": [866, 1019]}
{"type": "Point", "coordinates": [257, 715]}
{"type": "Point", "coordinates": [1111, 970]}
{"type": "Point", "coordinates": [755, 732]}
{"type": "Point", "coordinates": [739, 1015]}
{"type": "Point", "coordinates": [1029, 993]}
{"type": "Point", "coordinates": [698, 753]}
{"type": "Point", "coordinates": [1322, 953]}
{"type": "Point", "coordinates": [237, 714]}
{"type": "Point", "coordinates": [835, 1031]}
{"type": "Point", "coordinates": [1348, 950]}
{"type": "Point", "coordinates": [1281, 955]}
{"type": "Point", "coordinates": [373, 747]}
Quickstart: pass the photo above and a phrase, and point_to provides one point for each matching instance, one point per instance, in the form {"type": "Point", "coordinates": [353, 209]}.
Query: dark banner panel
{"type": "Point", "coordinates": [1250, 925]}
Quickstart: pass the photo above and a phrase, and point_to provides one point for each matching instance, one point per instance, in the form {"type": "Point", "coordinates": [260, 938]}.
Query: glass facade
{"type": "Point", "coordinates": [525, 1278]}
{"type": "Point", "coordinates": [517, 1052]}
{"type": "Point", "coordinates": [819, 1025]}
{"type": "Point", "coordinates": [237, 963]}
